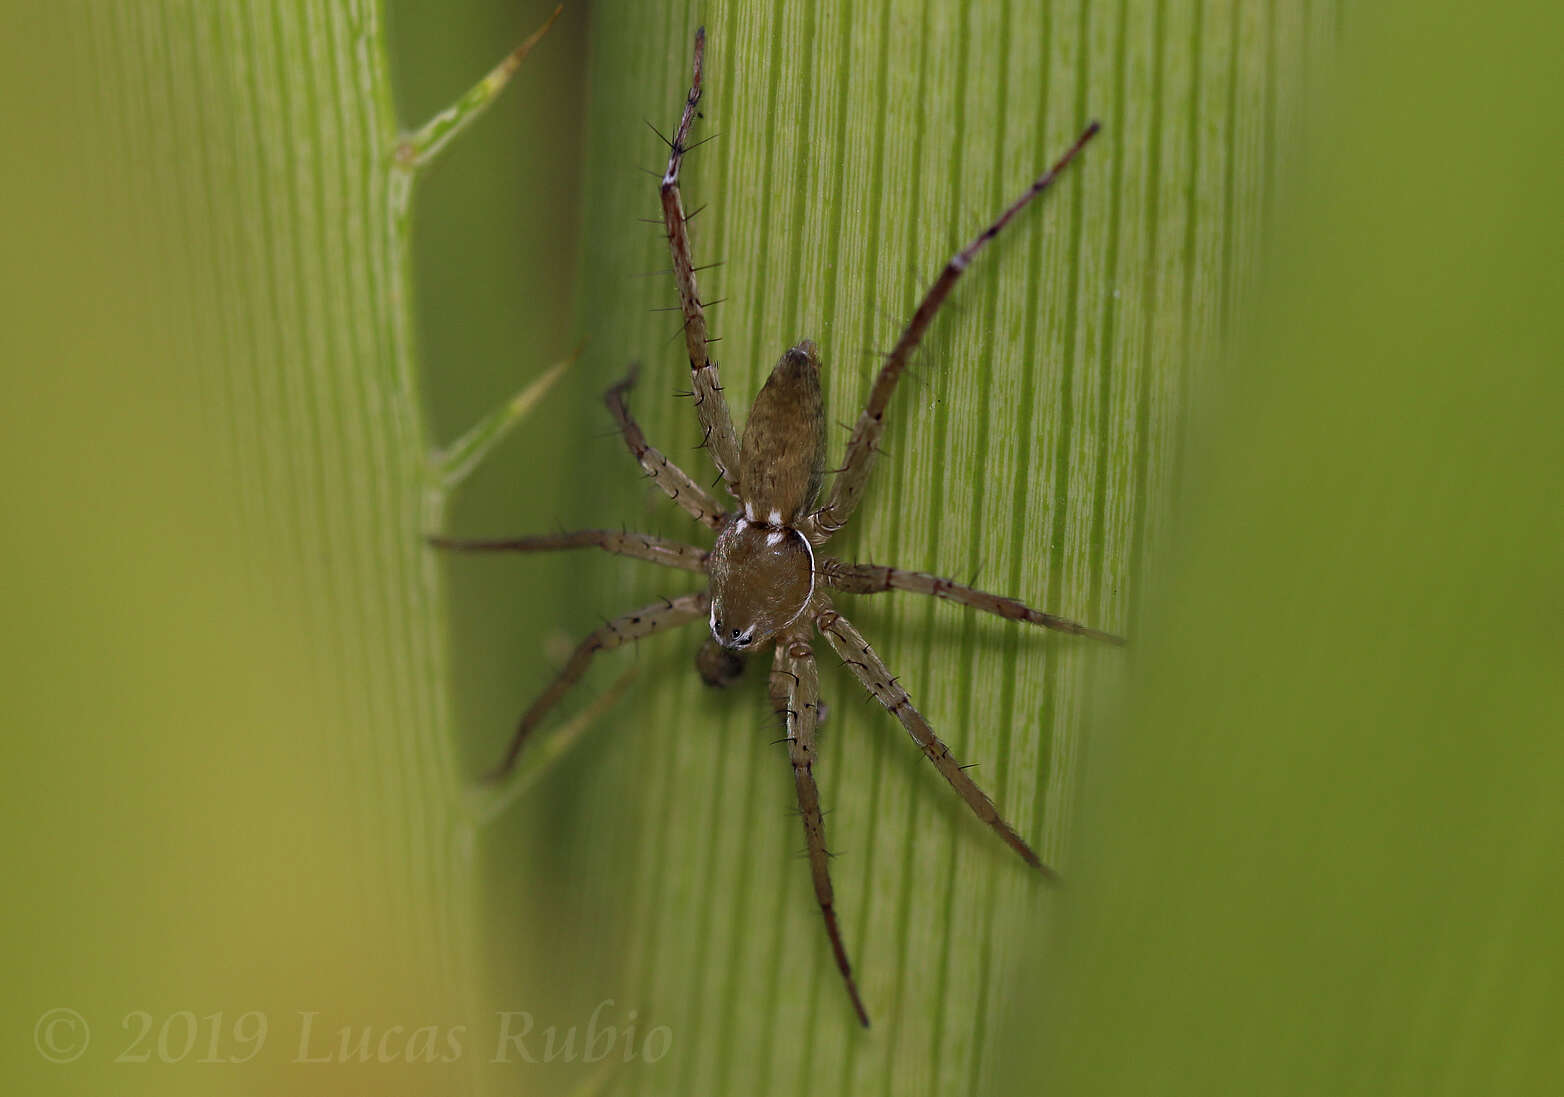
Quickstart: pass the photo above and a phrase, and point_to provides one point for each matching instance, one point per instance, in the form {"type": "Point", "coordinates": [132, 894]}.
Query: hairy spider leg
{"type": "Point", "coordinates": [847, 490]}
{"type": "Point", "coordinates": [795, 683]}
{"type": "Point", "coordinates": [876, 677]}
{"type": "Point", "coordinates": [638, 546]}
{"type": "Point", "coordinates": [876, 578]}
{"type": "Point", "coordinates": [674, 481]}
{"type": "Point", "coordinates": [637, 625]}
{"type": "Point", "coordinates": [710, 404]}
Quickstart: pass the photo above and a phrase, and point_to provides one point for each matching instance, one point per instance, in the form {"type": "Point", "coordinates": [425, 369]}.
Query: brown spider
{"type": "Point", "coordinates": [767, 585]}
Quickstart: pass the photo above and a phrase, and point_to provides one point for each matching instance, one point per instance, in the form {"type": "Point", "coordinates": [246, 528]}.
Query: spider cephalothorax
{"type": "Point", "coordinates": [767, 583]}
{"type": "Point", "coordinates": [762, 577]}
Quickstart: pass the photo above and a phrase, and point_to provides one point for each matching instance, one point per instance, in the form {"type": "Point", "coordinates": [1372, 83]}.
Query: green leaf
{"type": "Point", "coordinates": [1033, 448]}
{"type": "Point", "coordinates": [1322, 855]}
{"type": "Point", "coordinates": [233, 439]}
{"type": "Point", "coordinates": [239, 803]}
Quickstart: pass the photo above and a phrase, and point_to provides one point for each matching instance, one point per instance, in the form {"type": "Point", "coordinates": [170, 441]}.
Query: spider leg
{"type": "Point", "coordinates": [674, 481]}
{"type": "Point", "coordinates": [875, 578]}
{"type": "Point", "coordinates": [639, 546]}
{"type": "Point", "coordinates": [710, 404]}
{"type": "Point", "coordinates": [657, 617]}
{"type": "Point", "coordinates": [848, 488]}
{"type": "Point", "coordinates": [795, 691]}
{"type": "Point", "coordinates": [869, 669]}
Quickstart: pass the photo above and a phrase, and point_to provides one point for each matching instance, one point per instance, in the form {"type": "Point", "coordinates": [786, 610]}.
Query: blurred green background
{"type": "Point", "coordinates": [1272, 383]}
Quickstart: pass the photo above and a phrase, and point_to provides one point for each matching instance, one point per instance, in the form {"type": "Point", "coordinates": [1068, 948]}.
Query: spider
{"type": "Point", "coordinates": [767, 582]}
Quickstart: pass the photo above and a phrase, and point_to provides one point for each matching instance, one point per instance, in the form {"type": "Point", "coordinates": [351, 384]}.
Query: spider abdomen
{"type": "Point", "coordinates": [783, 450]}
